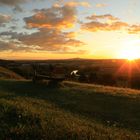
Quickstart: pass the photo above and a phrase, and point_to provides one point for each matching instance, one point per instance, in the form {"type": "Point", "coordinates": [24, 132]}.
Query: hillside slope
{"type": "Point", "coordinates": [73, 112]}
{"type": "Point", "coordinates": [8, 74]}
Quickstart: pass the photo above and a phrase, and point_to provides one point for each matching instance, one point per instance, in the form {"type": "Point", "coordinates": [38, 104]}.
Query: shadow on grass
{"type": "Point", "coordinates": [111, 110]}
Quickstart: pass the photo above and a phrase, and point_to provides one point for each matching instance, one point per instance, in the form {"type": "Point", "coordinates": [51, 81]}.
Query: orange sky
{"type": "Point", "coordinates": [69, 29]}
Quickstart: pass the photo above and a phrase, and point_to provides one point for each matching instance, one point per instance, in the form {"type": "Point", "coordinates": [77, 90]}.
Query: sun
{"type": "Point", "coordinates": [130, 53]}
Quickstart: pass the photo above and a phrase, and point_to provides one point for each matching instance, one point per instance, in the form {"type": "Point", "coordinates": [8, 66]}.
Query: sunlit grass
{"type": "Point", "coordinates": [73, 111]}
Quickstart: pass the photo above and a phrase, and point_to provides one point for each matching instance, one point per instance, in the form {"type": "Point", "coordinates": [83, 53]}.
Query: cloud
{"type": "Point", "coordinates": [118, 25]}
{"type": "Point", "coordinates": [94, 26]}
{"type": "Point", "coordinates": [10, 34]}
{"type": "Point", "coordinates": [4, 46]}
{"type": "Point", "coordinates": [50, 36]}
{"type": "Point", "coordinates": [51, 40]}
{"type": "Point", "coordinates": [71, 3]}
{"type": "Point", "coordinates": [72, 52]}
{"type": "Point", "coordinates": [4, 19]}
{"type": "Point", "coordinates": [48, 40]}
{"type": "Point", "coordinates": [100, 5]}
{"type": "Point", "coordinates": [14, 46]}
{"type": "Point", "coordinates": [108, 22]}
{"type": "Point", "coordinates": [17, 8]}
{"type": "Point", "coordinates": [134, 29]}
{"type": "Point", "coordinates": [99, 17]}
{"type": "Point", "coordinates": [13, 27]}
{"type": "Point", "coordinates": [105, 22]}
{"type": "Point", "coordinates": [74, 4]}
{"type": "Point", "coordinates": [15, 4]}
{"type": "Point", "coordinates": [54, 17]}
{"type": "Point", "coordinates": [11, 2]}
{"type": "Point", "coordinates": [98, 26]}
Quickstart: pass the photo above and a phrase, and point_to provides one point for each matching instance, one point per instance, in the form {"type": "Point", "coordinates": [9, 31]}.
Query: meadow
{"type": "Point", "coordinates": [73, 111]}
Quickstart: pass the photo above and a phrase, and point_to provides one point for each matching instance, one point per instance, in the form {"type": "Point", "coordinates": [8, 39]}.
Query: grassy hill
{"type": "Point", "coordinates": [8, 74]}
{"type": "Point", "coordinates": [73, 111]}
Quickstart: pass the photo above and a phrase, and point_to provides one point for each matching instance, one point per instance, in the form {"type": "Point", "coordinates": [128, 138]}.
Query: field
{"type": "Point", "coordinates": [71, 111]}
{"type": "Point", "coordinates": [113, 72]}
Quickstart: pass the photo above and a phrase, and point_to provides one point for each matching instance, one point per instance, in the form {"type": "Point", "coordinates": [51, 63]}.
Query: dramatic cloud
{"type": "Point", "coordinates": [54, 17]}
{"type": "Point", "coordinates": [109, 23]}
{"type": "Point", "coordinates": [50, 37]}
{"type": "Point", "coordinates": [100, 5]}
{"type": "Point", "coordinates": [14, 46]}
{"type": "Point", "coordinates": [51, 40]}
{"type": "Point", "coordinates": [4, 46]}
{"type": "Point", "coordinates": [48, 40]}
{"type": "Point", "coordinates": [4, 19]}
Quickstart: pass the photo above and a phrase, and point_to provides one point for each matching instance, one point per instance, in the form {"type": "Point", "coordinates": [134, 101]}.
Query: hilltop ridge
{"type": "Point", "coordinates": [8, 74]}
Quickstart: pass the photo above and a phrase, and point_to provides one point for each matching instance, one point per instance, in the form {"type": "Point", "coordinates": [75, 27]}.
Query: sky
{"type": "Point", "coordinates": [62, 29]}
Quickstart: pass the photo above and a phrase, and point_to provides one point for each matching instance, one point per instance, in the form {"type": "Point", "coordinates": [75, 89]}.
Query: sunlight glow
{"type": "Point", "coordinates": [130, 53]}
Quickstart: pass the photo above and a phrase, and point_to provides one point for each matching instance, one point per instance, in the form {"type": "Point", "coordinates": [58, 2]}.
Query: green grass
{"type": "Point", "coordinates": [73, 111]}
